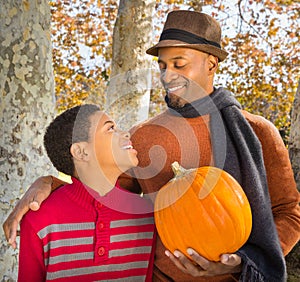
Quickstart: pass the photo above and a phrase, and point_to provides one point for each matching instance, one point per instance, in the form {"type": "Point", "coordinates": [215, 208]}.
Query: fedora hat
{"type": "Point", "coordinates": [193, 30]}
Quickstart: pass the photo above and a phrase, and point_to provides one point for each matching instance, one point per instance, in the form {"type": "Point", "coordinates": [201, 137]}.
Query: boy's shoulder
{"type": "Point", "coordinates": [57, 197]}
{"type": "Point", "coordinates": [52, 207]}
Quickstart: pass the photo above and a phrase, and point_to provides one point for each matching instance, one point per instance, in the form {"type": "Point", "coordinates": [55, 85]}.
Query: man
{"type": "Point", "coordinates": [205, 126]}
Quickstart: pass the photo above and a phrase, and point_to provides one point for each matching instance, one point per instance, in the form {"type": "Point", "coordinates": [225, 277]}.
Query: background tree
{"type": "Point", "coordinates": [82, 38]}
{"type": "Point", "coordinates": [261, 37]}
{"type": "Point", "coordinates": [293, 258]}
{"type": "Point", "coordinates": [130, 79]}
{"type": "Point", "coordinates": [264, 59]}
{"type": "Point", "coordinates": [294, 141]}
{"type": "Point", "coordinates": [27, 106]}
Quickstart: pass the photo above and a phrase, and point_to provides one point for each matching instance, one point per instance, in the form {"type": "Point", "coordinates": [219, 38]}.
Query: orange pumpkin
{"type": "Point", "coordinates": [205, 209]}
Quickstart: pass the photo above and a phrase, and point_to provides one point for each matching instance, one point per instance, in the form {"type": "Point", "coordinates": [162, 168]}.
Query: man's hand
{"type": "Point", "coordinates": [32, 199]}
{"type": "Point", "coordinates": [229, 263]}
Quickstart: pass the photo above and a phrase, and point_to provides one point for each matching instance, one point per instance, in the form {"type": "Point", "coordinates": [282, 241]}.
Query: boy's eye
{"type": "Point", "coordinates": [111, 128]}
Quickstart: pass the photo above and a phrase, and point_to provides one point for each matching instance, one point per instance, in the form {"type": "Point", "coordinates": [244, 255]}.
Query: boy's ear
{"type": "Point", "coordinates": [79, 151]}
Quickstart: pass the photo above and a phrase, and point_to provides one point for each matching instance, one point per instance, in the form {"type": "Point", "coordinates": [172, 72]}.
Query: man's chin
{"type": "Point", "coordinates": [176, 102]}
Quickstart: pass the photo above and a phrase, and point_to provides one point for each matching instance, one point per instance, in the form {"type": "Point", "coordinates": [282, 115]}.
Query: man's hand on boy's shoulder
{"type": "Point", "coordinates": [32, 199]}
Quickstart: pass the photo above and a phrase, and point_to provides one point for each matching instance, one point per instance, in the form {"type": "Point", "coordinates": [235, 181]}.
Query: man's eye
{"type": "Point", "coordinates": [162, 67]}
{"type": "Point", "coordinates": [179, 66]}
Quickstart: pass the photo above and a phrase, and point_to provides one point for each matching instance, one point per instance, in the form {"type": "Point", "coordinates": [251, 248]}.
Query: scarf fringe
{"type": "Point", "coordinates": [250, 273]}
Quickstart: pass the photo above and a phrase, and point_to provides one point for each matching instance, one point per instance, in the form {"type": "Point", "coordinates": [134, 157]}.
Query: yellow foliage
{"type": "Point", "coordinates": [262, 69]}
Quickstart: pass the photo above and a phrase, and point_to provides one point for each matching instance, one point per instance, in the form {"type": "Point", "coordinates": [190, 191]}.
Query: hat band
{"type": "Point", "coordinates": [185, 36]}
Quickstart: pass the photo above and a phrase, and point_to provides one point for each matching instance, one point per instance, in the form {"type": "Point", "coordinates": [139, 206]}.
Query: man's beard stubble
{"type": "Point", "coordinates": [175, 101]}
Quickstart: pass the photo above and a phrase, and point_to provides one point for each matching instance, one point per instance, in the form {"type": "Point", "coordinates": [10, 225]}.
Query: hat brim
{"type": "Point", "coordinates": [210, 49]}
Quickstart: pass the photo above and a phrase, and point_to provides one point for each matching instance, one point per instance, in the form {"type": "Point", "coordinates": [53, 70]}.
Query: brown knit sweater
{"type": "Point", "coordinates": [166, 138]}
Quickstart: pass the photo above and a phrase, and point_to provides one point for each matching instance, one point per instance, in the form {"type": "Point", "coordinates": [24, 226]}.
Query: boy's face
{"type": "Point", "coordinates": [112, 147]}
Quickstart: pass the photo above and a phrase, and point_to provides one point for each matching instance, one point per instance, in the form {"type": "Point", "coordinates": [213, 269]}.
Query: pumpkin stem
{"type": "Point", "coordinates": [178, 170]}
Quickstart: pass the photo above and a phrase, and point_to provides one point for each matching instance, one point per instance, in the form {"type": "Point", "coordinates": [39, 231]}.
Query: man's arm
{"type": "Point", "coordinates": [282, 187]}
{"type": "Point", "coordinates": [32, 199]}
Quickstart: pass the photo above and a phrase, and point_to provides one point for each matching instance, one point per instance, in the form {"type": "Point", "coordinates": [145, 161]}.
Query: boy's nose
{"type": "Point", "coordinates": [126, 134]}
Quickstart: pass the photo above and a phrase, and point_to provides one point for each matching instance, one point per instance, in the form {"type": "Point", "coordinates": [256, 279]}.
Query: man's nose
{"type": "Point", "coordinates": [168, 75]}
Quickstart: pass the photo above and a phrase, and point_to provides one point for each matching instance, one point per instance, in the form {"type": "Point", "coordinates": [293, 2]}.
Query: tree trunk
{"type": "Point", "coordinates": [27, 106]}
{"type": "Point", "coordinates": [128, 94]}
{"type": "Point", "coordinates": [294, 143]}
{"type": "Point", "coordinates": [293, 258]}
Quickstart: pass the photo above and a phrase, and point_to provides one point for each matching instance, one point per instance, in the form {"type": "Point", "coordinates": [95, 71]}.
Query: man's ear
{"type": "Point", "coordinates": [213, 63]}
{"type": "Point", "coordinates": [79, 151]}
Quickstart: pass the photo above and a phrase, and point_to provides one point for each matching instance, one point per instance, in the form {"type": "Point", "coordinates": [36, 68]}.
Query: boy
{"type": "Point", "coordinates": [92, 229]}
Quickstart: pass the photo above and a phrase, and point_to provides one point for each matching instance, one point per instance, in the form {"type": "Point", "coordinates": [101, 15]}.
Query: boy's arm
{"type": "Point", "coordinates": [32, 199]}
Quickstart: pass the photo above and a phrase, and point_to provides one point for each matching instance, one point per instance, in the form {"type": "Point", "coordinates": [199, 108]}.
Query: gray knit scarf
{"type": "Point", "coordinates": [241, 156]}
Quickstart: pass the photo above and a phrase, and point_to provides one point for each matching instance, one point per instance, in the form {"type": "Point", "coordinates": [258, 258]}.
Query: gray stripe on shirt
{"type": "Point", "coordinates": [131, 236]}
{"type": "Point", "coordinates": [96, 269]}
{"type": "Point", "coordinates": [65, 227]}
{"type": "Point", "coordinates": [129, 251]}
{"type": "Point", "coordinates": [68, 242]}
{"type": "Point", "coordinates": [128, 279]}
{"type": "Point", "coordinates": [132, 222]}
{"type": "Point", "coordinates": [69, 258]}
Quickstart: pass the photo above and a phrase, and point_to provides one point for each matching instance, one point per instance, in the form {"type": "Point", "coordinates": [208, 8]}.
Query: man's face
{"type": "Point", "coordinates": [185, 74]}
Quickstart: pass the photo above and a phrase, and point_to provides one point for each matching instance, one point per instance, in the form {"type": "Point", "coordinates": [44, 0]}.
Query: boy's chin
{"type": "Point", "coordinates": [131, 164]}
{"type": "Point", "coordinates": [134, 163]}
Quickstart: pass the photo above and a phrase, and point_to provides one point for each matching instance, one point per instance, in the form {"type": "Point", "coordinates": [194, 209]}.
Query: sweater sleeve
{"type": "Point", "coordinates": [129, 183]}
{"type": "Point", "coordinates": [282, 187]}
{"type": "Point", "coordinates": [31, 258]}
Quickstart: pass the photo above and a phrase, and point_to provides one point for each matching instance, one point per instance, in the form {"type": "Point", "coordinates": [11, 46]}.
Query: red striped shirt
{"type": "Point", "coordinates": [79, 236]}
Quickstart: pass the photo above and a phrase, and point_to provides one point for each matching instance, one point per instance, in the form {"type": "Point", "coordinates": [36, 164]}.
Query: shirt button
{"type": "Point", "coordinates": [100, 225]}
{"type": "Point", "coordinates": [99, 205]}
{"type": "Point", "coordinates": [101, 251]}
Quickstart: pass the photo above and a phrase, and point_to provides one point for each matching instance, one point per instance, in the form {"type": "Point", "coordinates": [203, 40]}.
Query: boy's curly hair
{"type": "Point", "coordinates": [70, 127]}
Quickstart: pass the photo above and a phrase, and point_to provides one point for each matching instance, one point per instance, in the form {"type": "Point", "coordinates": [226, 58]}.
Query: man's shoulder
{"type": "Point", "coordinates": [258, 122]}
{"type": "Point", "coordinates": [157, 120]}
{"type": "Point", "coordinates": [266, 131]}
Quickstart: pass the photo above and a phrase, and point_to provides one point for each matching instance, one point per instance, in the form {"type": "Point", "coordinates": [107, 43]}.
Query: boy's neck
{"type": "Point", "coordinates": [99, 180]}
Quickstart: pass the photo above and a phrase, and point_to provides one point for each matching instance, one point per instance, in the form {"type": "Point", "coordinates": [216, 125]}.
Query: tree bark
{"type": "Point", "coordinates": [27, 106]}
{"type": "Point", "coordinates": [293, 258]}
{"type": "Point", "coordinates": [294, 142]}
{"type": "Point", "coordinates": [128, 94]}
